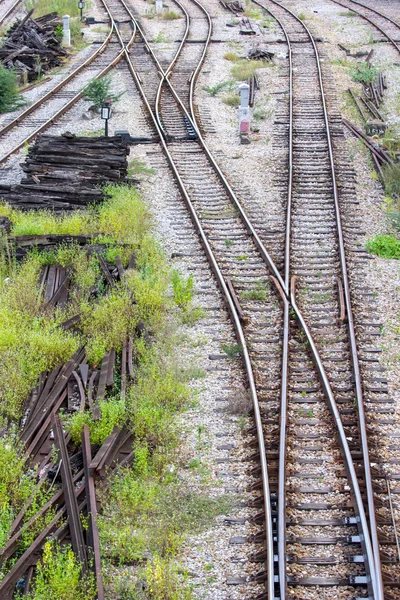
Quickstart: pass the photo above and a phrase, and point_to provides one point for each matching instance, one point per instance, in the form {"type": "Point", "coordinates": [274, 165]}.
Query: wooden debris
{"type": "Point", "coordinates": [32, 47]}
{"type": "Point", "coordinates": [64, 172]}
{"type": "Point", "coordinates": [260, 52]}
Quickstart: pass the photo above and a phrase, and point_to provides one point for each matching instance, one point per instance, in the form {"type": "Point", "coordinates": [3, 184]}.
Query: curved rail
{"type": "Point", "coordinates": [329, 394]}
{"type": "Point", "coordinates": [370, 20]}
{"type": "Point", "coordinates": [9, 11]}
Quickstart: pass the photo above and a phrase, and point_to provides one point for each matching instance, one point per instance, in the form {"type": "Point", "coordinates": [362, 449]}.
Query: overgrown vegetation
{"type": "Point", "coordinates": [62, 7]}
{"type": "Point", "coordinates": [99, 91]}
{"type": "Point", "coordinates": [363, 72]}
{"type": "Point", "coordinates": [58, 576]}
{"type": "Point", "coordinates": [245, 69]}
{"type": "Point", "coordinates": [10, 98]}
{"type": "Point", "coordinates": [214, 90]}
{"type": "Point", "coordinates": [386, 246]}
{"type": "Point", "coordinates": [231, 99]}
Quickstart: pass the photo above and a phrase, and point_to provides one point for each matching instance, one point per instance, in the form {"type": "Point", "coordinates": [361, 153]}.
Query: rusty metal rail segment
{"type": "Point", "coordinates": [374, 23]}
{"type": "Point", "coordinates": [372, 553]}
{"type": "Point", "coordinates": [77, 96]}
{"type": "Point", "coordinates": [9, 11]}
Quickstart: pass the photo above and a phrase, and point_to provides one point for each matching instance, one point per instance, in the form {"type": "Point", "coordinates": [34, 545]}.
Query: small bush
{"type": "Point", "coordinates": [112, 414]}
{"type": "Point", "coordinates": [10, 99]}
{"type": "Point", "coordinates": [232, 56]}
{"type": "Point", "coordinates": [386, 246]}
{"type": "Point", "coordinates": [391, 139]}
{"type": "Point", "coordinates": [363, 72]}
{"type": "Point", "coordinates": [163, 581]}
{"type": "Point", "coordinates": [98, 91]}
{"type": "Point", "coordinates": [183, 289]}
{"type": "Point", "coordinates": [347, 13]}
{"type": "Point", "coordinates": [214, 90]}
{"type": "Point", "coordinates": [245, 69]}
{"type": "Point", "coordinates": [59, 576]}
{"type": "Point", "coordinates": [231, 350]}
{"type": "Point", "coordinates": [391, 175]}
{"type": "Point", "coordinates": [231, 99]}
{"type": "Point", "coordinates": [170, 15]}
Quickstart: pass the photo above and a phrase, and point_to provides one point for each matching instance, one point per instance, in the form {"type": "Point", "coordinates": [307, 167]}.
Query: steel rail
{"type": "Point", "coordinates": [346, 451]}
{"type": "Point", "coordinates": [9, 11]}
{"type": "Point", "coordinates": [79, 95]}
{"type": "Point", "coordinates": [236, 323]}
{"type": "Point", "coordinates": [61, 84]}
{"type": "Point", "coordinates": [372, 553]}
{"type": "Point", "coordinates": [370, 20]}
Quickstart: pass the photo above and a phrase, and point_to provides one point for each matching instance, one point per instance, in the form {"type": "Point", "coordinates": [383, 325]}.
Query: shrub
{"type": "Point", "coordinates": [232, 56]}
{"type": "Point", "coordinates": [163, 581]}
{"type": "Point", "coordinates": [386, 246]}
{"type": "Point", "coordinates": [59, 576]}
{"type": "Point", "coordinates": [245, 69]}
{"type": "Point", "coordinates": [231, 99]}
{"type": "Point", "coordinates": [112, 414]}
{"type": "Point", "coordinates": [391, 175]}
{"type": "Point", "coordinates": [98, 91]}
{"type": "Point", "coordinates": [183, 289]}
{"type": "Point", "coordinates": [170, 15]}
{"type": "Point", "coordinates": [363, 72]}
{"type": "Point", "coordinates": [214, 90]}
{"type": "Point", "coordinates": [10, 98]}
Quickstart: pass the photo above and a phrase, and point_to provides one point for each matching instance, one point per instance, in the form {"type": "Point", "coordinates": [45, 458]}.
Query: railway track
{"type": "Point", "coordinates": [387, 26]}
{"type": "Point", "coordinates": [193, 164]}
{"type": "Point", "coordinates": [300, 362]}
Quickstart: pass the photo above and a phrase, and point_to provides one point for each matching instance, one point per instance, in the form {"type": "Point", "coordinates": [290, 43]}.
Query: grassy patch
{"type": "Point", "coordinates": [232, 56]}
{"type": "Point", "coordinates": [170, 15]}
{"type": "Point", "coordinates": [364, 72]}
{"type": "Point", "coordinates": [245, 69]}
{"type": "Point", "coordinates": [231, 99]}
{"type": "Point", "coordinates": [214, 90]}
{"type": "Point", "coordinates": [62, 7]}
{"type": "Point", "coordinates": [9, 96]}
{"type": "Point", "coordinates": [386, 246]}
{"type": "Point", "coordinates": [59, 576]}
{"type": "Point", "coordinates": [347, 13]}
{"type": "Point", "coordinates": [391, 176]}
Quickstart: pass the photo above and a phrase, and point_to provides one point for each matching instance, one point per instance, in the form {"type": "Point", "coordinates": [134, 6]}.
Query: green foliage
{"type": "Point", "coordinates": [30, 339]}
{"type": "Point", "coordinates": [163, 581]}
{"type": "Point", "coordinates": [183, 289]}
{"type": "Point", "coordinates": [145, 513]}
{"type": "Point", "coordinates": [10, 98]}
{"type": "Point", "coordinates": [58, 576]}
{"type": "Point", "coordinates": [170, 15]}
{"type": "Point", "coordinates": [112, 413]}
{"type": "Point", "coordinates": [391, 174]}
{"type": "Point", "coordinates": [363, 72]}
{"type": "Point", "coordinates": [232, 350]}
{"type": "Point", "coordinates": [386, 246]}
{"type": "Point", "coordinates": [214, 90]}
{"type": "Point", "coordinates": [302, 16]}
{"type": "Point", "coordinates": [138, 167]}
{"type": "Point", "coordinates": [347, 13]}
{"type": "Point", "coordinates": [231, 99]}
{"type": "Point", "coordinates": [99, 91]}
{"type": "Point", "coordinates": [232, 56]}
{"type": "Point", "coordinates": [245, 69]}
{"type": "Point", "coordinates": [62, 7]}
{"type": "Point", "coordinates": [256, 294]}
{"type": "Point", "coordinates": [159, 38]}
{"type": "Point", "coordinates": [155, 398]}
{"type": "Point", "coordinates": [391, 138]}
{"type": "Point", "coordinates": [107, 323]}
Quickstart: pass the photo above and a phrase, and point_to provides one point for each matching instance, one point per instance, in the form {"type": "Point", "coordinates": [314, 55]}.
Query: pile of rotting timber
{"type": "Point", "coordinates": [32, 46]}
{"type": "Point", "coordinates": [64, 172]}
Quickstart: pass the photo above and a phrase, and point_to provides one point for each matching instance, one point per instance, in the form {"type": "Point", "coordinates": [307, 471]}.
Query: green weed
{"type": "Point", "coordinates": [10, 98]}
{"type": "Point", "coordinates": [232, 350]}
{"type": "Point", "coordinates": [182, 288]}
{"type": "Point", "coordinates": [386, 246]}
{"type": "Point", "coordinates": [214, 90]}
{"type": "Point", "coordinates": [99, 91]}
{"type": "Point", "coordinates": [59, 576]}
{"type": "Point", "coordinates": [245, 69]}
{"type": "Point", "coordinates": [231, 99]}
{"type": "Point", "coordinates": [363, 72]}
{"type": "Point", "coordinates": [232, 56]}
{"type": "Point", "coordinates": [170, 15]}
